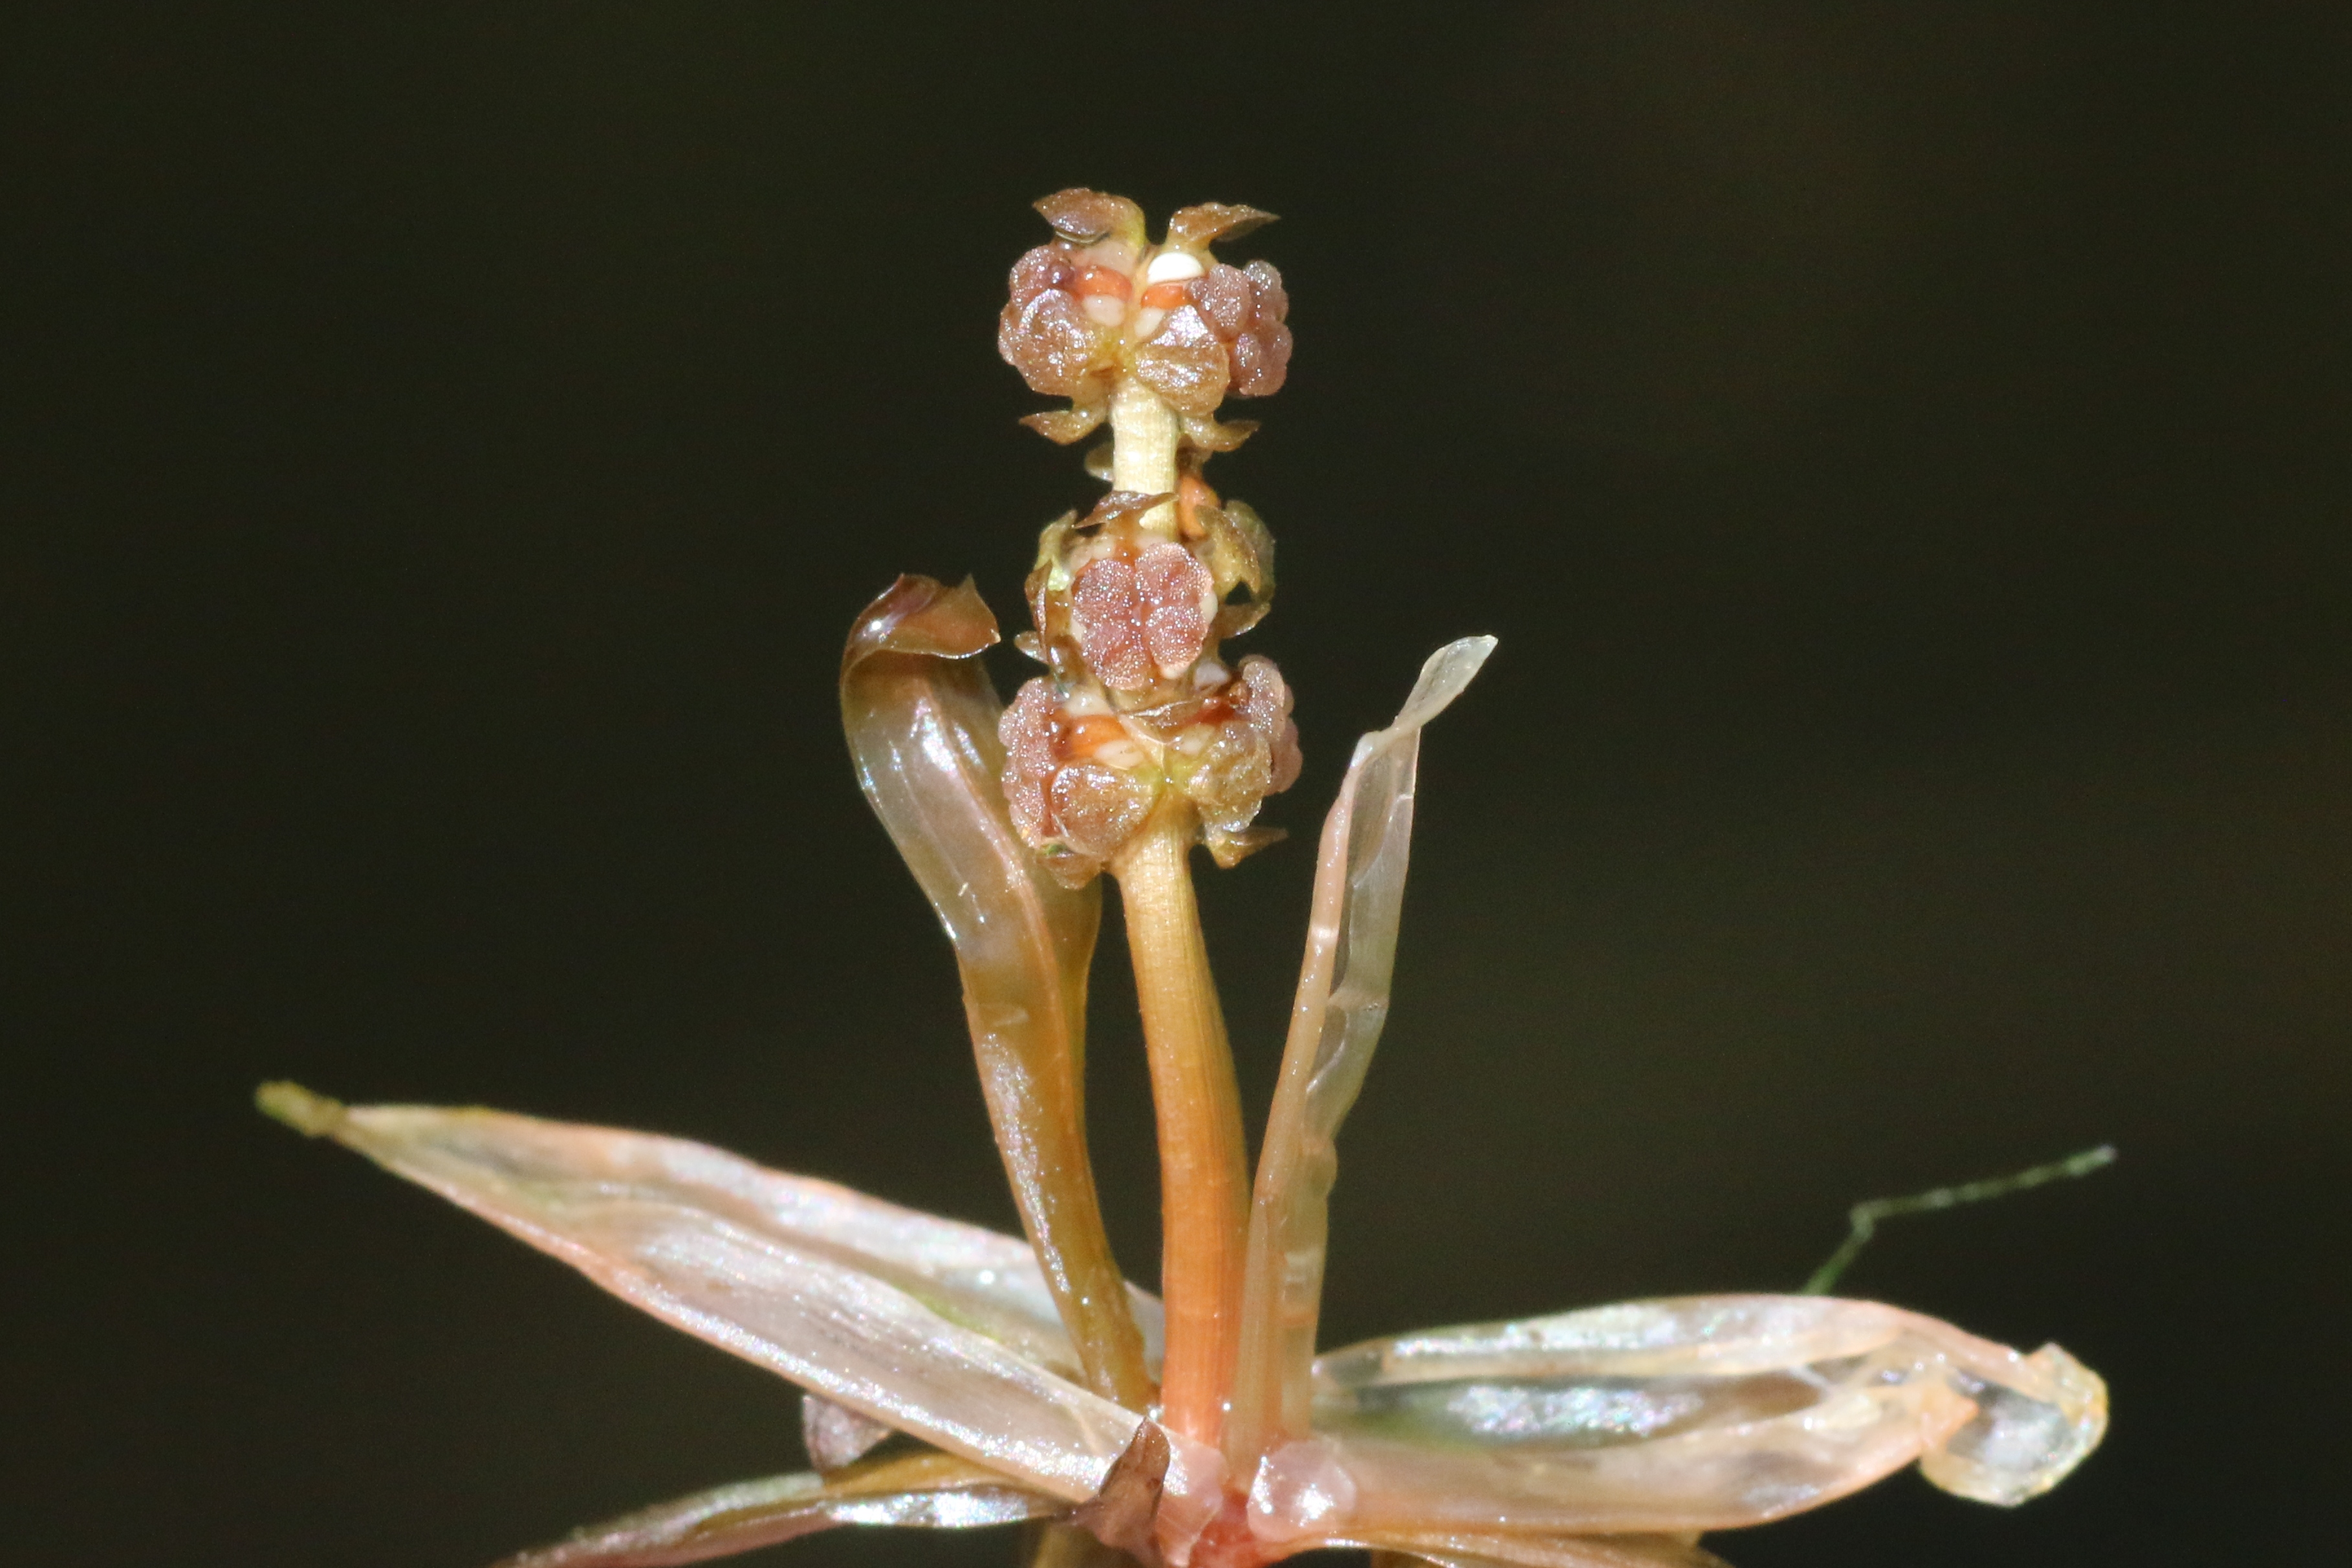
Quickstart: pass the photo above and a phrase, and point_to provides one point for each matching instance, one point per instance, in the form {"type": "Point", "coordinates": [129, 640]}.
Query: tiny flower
{"type": "Point", "coordinates": [1141, 615]}
{"type": "Point", "coordinates": [1222, 332]}
{"type": "Point", "coordinates": [1251, 752]}
{"type": "Point", "coordinates": [1246, 306]}
{"type": "Point", "coordinates": [1078, 787]}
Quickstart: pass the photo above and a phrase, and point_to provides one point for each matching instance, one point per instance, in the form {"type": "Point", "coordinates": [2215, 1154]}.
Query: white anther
{"type": "Point", "coordinates": [1147, 321]}
{"type": "Point", "coordinates": [1193, 740]}
{"type": "Point", "coordinates": [1209, 675]}
{"type": "Point", "coordinates": [1107, 308]}
{"type": "Point", "coordinates": [1173, 267]}
{"type": "Point", "coordinates": [1085, 704]}
{"type": "Point", "coordinates": [1124, 755]}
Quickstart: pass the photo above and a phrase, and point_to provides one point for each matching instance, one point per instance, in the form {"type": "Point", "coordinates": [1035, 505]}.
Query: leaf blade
{"type": "Point", "coordinates": [856, 1300]}
{"type": "Point", "coordinates": [1335, 1022]}
{"type": "Point", "coordinates": [921, 719]}
{"type": "Point", "coordinates": [1684, 1414]}
{"type": "Point", "coordinates": [932, 1491]}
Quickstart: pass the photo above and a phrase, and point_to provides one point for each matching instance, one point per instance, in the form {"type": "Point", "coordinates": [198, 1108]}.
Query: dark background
{"type": "Point", "coordinates": [1903, 450]}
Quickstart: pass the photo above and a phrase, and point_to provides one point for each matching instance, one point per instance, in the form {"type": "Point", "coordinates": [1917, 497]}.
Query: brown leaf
{"type": "Point", "coordinates": [1213, 221]}
{"type": "Point", "coordinates": [1120, 1515]}
{"type": "Point", "coordinates": [1083, 216]}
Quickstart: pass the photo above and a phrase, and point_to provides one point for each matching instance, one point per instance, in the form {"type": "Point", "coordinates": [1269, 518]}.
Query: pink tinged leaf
{"type": "Point", "coordinates": [1699, 1413]}
{"type": "Point", "coordinates": [1261, 362]}
{"type": "Point", "coordinates": [940, 1330]}
{"type": "Point", "coordinates": [1342, 1001]}
{"type": "Point", "coordinates": [1471, 1550]}
{"type": "Point", "coordinates": [922, 721]}
{"type": "Point", "coordinates": [1027, 729]}
{"type": "Point", "coordinates": [935, 1492]}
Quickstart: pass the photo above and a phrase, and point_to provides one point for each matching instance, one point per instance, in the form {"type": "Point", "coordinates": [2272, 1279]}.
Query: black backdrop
{"type": "Point", "coordinates": [1904, 451]}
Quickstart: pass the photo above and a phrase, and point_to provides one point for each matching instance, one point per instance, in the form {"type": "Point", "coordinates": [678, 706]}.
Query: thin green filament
{"type": "Point", "coordinates": [1864, 1218]}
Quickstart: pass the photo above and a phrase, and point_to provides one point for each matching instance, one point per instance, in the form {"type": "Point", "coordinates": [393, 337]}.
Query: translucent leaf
{"type": "Point", "coordinates": [1342, 1001]}
{"type": "Point", "coordinates": [921, 719]}
{"type": "Point", "coordinates": [1698, 1412]}
{"type": "Point", "coordinates": [935, 1492]}
{"type": "Point", "coordinates": [1496, 1549]}
{"type": "Point", "coordinates": [932, 1328]}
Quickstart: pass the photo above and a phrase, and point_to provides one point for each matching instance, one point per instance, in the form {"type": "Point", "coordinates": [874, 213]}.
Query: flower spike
{"type": "Point", "coordinates": [1143, 739]}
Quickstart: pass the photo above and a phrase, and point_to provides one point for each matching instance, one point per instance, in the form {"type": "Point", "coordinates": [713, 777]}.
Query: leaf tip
{"type": "Point", "coordinates": [311, 1115]}
{"type": "Point", "coordinates": [1444, 677]}
{"type": "Point", "coordinates": [1469, 653]}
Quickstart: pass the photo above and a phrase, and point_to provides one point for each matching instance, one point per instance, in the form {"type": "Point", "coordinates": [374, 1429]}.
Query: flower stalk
{"type": "Point", "coordinates": [1145, 435]}
{"type": "Point", "coordinates": [1142, 741]}
{"type": "Point", "coordinates": [1203, 1174]}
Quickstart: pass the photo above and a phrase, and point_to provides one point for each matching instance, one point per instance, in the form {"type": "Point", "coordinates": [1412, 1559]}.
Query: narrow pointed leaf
{"type": "Point", "coordinates": [1493, 1550]}
{"type": "Point", "coordinates": [1699, 1413]}
{"type": "Point", "coordinates": [934, 1491]}
{"type": "Point", "coordinates": [1343, 1002]}
{"type": "Point", "coordinates": [921, 719]}
{"type": "Point", "coordinates": [894, 1314]}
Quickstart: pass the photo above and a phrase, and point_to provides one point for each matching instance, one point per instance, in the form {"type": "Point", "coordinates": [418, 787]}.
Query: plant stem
{"type": "Point", "coordinates": [1144, 434]}
{"type": "Point", "coordinates": [1862, 1219]}
{"type": "Point", "coordinates": [1203, 1181]}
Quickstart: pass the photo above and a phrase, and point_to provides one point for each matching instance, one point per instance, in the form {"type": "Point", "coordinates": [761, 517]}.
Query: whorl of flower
{"type": "Point", "coordinates": [1099, 303]}
{"type": "Point", "coordinates": [1140, 701]}
{"type": "Point", "coordinates": [1133, 601]}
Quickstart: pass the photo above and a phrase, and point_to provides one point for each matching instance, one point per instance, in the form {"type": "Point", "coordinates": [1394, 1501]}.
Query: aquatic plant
{"type": "Point", "coordinates": [952, 1376]}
